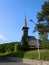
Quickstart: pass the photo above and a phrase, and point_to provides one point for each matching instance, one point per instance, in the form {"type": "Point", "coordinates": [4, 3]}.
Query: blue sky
{"type": "Point", "coordinates": [12, 14]}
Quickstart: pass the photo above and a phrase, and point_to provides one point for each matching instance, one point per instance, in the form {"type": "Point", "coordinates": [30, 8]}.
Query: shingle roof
{"type": "Point", "coordinates": [31, 37]}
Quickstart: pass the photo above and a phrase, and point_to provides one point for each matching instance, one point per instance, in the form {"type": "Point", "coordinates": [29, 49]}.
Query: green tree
{"type": "Point", "coordinates": [24, 43]}
{"type": "Point", "coordinates": [43, 23]}
{"type": "Point", "coordinates": [43, 18]}
{"type": "Point", "coordinates": [43, 36]}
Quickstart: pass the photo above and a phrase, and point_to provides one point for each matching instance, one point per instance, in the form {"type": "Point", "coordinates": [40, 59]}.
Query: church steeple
{"type": "Point", "coordinates": [25, 28]}
{"type": "Point", "coordinates": [25, 23]}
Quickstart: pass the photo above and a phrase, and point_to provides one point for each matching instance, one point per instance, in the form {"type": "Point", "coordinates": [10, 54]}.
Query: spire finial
{"type": "Point", "coordinates": [25, 23]}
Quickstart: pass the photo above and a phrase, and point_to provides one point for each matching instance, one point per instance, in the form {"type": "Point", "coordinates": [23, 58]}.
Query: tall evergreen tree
{"type": "Point", "coordinates": [43, 19]}
{"type": "Point", "coordinates": [43, 23]}
{"type": "Point", "coordinates": [24, 43]}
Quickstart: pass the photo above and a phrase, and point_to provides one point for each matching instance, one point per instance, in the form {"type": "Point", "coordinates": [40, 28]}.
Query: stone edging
{"type": "Point", "coordinates": [35, 62]}
{"type": "Point", "coordinates": [28, 61]}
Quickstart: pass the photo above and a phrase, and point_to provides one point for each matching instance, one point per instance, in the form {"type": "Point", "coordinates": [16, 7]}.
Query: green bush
{"type": "Point", "coordinates": [2, 48]}
{"type": "Point", "coordinates": [8, 47]}
{"type": "Point", "coordinates": [19, 47]}
{"type": "Point", "coordinates": [45, 44]}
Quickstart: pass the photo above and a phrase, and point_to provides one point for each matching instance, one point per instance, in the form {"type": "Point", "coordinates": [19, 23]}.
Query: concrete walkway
{"type": "Point", "coordinates": [21, 61]}
{"type": "Point", "coordinates": [8, 61]}
{"type": "Point", "coordinates": [13, 63]}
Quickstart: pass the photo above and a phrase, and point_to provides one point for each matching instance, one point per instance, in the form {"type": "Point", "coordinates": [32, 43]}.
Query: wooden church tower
{"type": "Point", "coordinates": [25, 28]}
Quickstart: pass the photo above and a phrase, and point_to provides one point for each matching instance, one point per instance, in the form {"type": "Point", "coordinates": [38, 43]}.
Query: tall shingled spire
{"type": "Point", "coordinates": [25, 23]}
{"type": "Point", "coordinates": [25, 28]}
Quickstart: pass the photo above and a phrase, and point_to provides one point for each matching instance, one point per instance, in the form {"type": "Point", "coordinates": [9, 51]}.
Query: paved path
{"type": "Point", "coordinates": [13, 63]}
{"type": "Point", "coordinates": [7, 62]}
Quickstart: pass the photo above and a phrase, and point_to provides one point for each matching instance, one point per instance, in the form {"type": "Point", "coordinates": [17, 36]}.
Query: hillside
{"type": "Point", "coordinates": [10, 49]}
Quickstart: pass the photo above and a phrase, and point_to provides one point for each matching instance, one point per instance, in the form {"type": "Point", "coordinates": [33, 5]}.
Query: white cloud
{"type": "Point", "coordinates": [2, 37]}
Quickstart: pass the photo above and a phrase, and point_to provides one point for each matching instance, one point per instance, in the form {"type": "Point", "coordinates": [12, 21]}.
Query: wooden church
{"type": "Point", "coordinates": [32, 41]}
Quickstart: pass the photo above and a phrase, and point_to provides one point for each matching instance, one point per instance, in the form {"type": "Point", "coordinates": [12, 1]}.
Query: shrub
{"type": "Point", "coordinates": [19, 46]}
{"type": "Point", "coordinates": [45, 44]}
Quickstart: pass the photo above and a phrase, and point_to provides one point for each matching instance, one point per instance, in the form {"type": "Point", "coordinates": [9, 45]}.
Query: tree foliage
{"type": "Point", "coordinates": [43, 24]}
{"type": "Point", "coordinates": [44, 14]}
{"type": "Point", "coordinates": [43, 19]}
{"type": "Point", "coordinates": [8, 47]}
{"type": "Point", "coordinates": [24, 43]}
{"type": "Point", "coordinates": [43, 36]}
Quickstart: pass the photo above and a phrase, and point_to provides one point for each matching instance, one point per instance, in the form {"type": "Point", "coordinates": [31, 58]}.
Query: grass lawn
{"type": "Point", "coordinates": [44, 54]}
{"type": "Point", "coordinates": [32, 54]}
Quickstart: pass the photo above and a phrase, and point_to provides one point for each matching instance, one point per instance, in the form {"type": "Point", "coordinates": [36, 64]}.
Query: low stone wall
{"type": "Point", "coordinates": [35, 62]}
{"type": "Point", "coordinates": [28, 61]}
